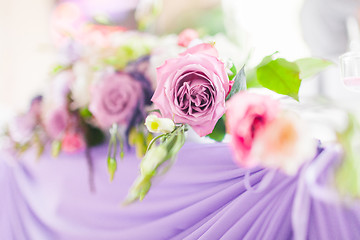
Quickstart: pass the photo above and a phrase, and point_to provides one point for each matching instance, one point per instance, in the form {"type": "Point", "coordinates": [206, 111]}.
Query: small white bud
{"type": "Point", "coordinates": [159, 125]}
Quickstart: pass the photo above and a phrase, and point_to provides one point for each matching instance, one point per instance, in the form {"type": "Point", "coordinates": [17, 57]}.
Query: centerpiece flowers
{"type": "Point", "coordinates": [103, 90]}
{"type": "Point", "coordinates": [192, 92]}
{"type": "Point", "coordinates": [101, 87]}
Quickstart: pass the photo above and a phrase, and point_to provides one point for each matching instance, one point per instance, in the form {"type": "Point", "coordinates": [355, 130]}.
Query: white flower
{"type": "Point", "coordinates": [85, 76]}
{"type": "Point", "coordinates": [152, 159]}
{"type": "Point", "coordinates": [159, 125]}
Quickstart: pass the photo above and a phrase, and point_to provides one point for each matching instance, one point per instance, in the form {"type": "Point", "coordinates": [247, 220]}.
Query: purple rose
{"type": "Point", "coordinates": [192, 88]}
{"type": "Point", "coordinates": [115, 99]}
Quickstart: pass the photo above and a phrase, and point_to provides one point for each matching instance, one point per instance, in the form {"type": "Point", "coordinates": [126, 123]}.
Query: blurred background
{"type": "Point", "coordinates": [296, 28]}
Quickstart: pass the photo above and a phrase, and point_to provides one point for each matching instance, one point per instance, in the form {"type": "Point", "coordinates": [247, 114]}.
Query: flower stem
{"type": "Point", "coordinates": [153, 141]}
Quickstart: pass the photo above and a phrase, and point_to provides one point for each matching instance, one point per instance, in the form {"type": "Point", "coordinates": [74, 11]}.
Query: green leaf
{"type": "Point", "coordinates": [311, 66]}
{"type": "Point", "coordinates": [154, 159]}
{"type": "Point", "coordinates": [102, 19]}
{"type": "Point", "coordinates": [219, 131]}
{"type": "Point", "coordinates": [233, 73]}
{"type": "Point", "coordinates": [251, 79]}
{"type": "Point", "coordinates": [239, 83]}
{"type": "Point", "coordinates": [174, 143]}
{"type": "Point", "coordinates": [347, 177]}
{"type": "Point", "coordinates": [55, 148]}
{"type": "Point", "coordinates": [266, 60]}
{"type": "Point", "coordinates": [112, 166]}
{"type": "Point", "coordinates": [58, 69]}
{"type": "Point", "coordinates": [280, 76]}
{"type": "Point", "coordinates": [144, 189]}
{"type": "Point", "coordinates": [85, 113]}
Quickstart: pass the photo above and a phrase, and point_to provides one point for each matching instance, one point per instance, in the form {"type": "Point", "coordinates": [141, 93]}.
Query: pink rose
{"type": "Point", "coordinates": [72, 142]}
{"type": "Point", "coordinates": [246, 116]}
{"type": "Point", "coordinates": [115, 99]}
{"type": "Point", "coordinates": [186, 36]}
{"type": "Point", "coordinates": [56, 122]}
{"type": "Point", "coordinates": [192, 88]}
{"type": "Point", "coordinates": [285, 144]}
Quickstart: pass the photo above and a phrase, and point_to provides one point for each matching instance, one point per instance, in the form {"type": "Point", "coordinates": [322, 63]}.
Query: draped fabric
{"type": "Point", "coordinates": [203, 196]}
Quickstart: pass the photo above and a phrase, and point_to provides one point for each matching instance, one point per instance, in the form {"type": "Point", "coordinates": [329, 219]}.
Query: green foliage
{"type": "Point", "coordinates": [154, 159]}
{"type": "Point", "coordinates": [147, 19]}
{"type": "Point", "coordinates": [58, 68]}
{"type": "Point", "coordinates": [55, 148]}
{"type": "Point", "coordinates": [280, 76]}
{"type": "Point", "coordinates": [112, 166]}
{"type": "Point", "coordinates": [209, 21]}
{"type": "Point", "coordinates": [127, 53]}
{"type": "Point", "coordinates": [311, 66]}
{"type": "Point", "coordinates": [219, 131]}
{"type": "Point", "coordinates": [251, 79]}
{"type": "Point", "coordinates": [233, 72]}
{"type": "Point", "coordinates": [93, 136]}
{"type": "Point", "coordinates": [347, 177]}
{"type": "Point", "coordinates": [139, 140]}
{"type": "Point", "coordinates": [239, 83]}
{"type": "Point", "coordinates": [102, 19]}
{"type": "Point", "coordinates": [85, 113]}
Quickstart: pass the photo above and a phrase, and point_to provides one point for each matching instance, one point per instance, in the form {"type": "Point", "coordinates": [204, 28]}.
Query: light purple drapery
{"type": "Point", "coordinates": [203, 196]}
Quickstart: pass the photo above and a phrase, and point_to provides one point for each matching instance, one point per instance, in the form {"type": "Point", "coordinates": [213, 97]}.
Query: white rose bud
{"type": "Point", "coordinates": [152, 159]}
{"type": "Point", "coordinates": [159, 125]}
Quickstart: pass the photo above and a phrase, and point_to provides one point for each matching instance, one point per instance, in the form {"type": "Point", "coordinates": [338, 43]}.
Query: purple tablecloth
{"type": "Point", "coordinates": [204, 196]}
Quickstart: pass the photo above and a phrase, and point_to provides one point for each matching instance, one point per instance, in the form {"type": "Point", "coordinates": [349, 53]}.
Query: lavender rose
{"type": "Point", "coordinates": [115, 99]}
{"type": "Point", "coordinates": [192, 88]}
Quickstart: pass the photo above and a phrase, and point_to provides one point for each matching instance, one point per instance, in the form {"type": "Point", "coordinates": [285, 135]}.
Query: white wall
{"type": "Point", "coordinates": [269, 26]}
{"type": "Point", "coordinates": [25, 51]}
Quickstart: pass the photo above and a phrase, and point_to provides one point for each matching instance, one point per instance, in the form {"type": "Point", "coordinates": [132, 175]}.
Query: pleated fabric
{"type": "Point", "coordinates": [203, 196]}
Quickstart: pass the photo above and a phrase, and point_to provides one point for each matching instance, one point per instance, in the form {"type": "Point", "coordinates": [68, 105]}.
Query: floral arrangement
{"type": "Point", "coordinates": [101, 86]}
{"type": "Point", "coordinates": [105, 88]}
{"type": "Point", "coordinates": [192, 92]}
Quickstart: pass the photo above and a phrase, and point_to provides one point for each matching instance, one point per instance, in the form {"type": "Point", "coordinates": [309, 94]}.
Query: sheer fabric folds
{"type": "Point", "coordinates": [203, 196]}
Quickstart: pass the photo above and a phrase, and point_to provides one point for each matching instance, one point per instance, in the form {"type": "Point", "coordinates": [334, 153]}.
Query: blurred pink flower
{"type": "Point", "coordinates": [115, 99]}
{"type": "Point", "coordinates": [192, 88]}
{"type": "Point", "coordinates": [22, 127]}
{"type": "Point", "coordinates": [72, 142]}
{"type": "Point", "coordinates": [98, 35]}
{"type": "Point", "coordinates": [56, 122]}
{"type": "Point", "coordinates": [285, 143]}
{"type": "Point", "coordinates": [248, 114]}
{"type": "Point", "coordinates": [66, 21]}
{"type": "Point", "coordinates": [186, 36]}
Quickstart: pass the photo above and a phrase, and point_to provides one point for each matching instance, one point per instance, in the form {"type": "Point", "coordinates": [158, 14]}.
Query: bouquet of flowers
{"type": "Point", "coordinates": [192, 92]}
{"type": "Point", "coordinates": [105, 84]}
{"type": "Point", "coordinates": [101, 86]}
